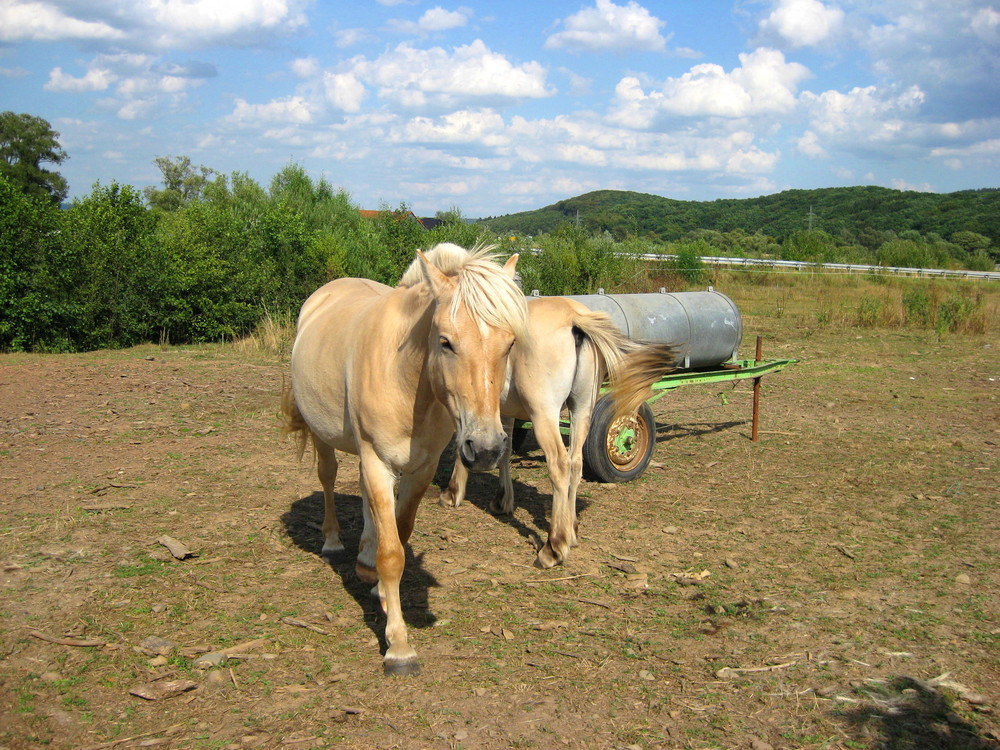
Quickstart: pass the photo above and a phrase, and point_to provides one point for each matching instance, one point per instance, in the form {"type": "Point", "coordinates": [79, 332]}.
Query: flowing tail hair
{"type": "Point", "coordinates": [632, 367]}
{"type": "Point", "coordinates": [293, 423]}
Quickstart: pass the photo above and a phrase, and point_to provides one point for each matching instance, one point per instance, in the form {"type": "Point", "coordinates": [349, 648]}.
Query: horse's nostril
{"type": "Point", "coordinates": [468, 451]}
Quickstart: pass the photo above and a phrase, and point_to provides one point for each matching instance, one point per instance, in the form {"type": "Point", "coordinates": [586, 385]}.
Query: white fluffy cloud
{"type": "Point", "coordinates": [163, 24]}
{"type": "Point", "coordinates": [417, 78]}
{"type": "Point", "coordinates": [764, 84]}
{"type": "Point", "coordinates": [46, 21]}
{"type": "Point", "coordinates": [292, 109]}
{"type": "Point", "coordinates": [460, 85]}
{"type": "Point", "coordinates": [139, 84]}
{"type": "Point", "coordinates": [484, 127]}
{"type": "Point", "coordinates": [802, 23]}
{"type": "Point", "coordinates": [610, 27]}
{"type": "Point", "coordinates": [95, 79]}
{"type": "Point", "coordinates": [433, 20]}
{"type": "Point", "coordinates": [863, 117]}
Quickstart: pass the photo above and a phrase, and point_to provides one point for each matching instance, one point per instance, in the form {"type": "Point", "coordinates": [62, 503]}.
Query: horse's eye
{"type": "Point", "coordinates": [446, 344]}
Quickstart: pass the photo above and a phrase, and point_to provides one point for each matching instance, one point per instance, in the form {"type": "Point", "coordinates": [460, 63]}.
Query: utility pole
{"type": "Point", "coordinates": [811, 217]}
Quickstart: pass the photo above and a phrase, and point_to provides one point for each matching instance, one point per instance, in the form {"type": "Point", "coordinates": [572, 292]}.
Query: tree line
{"type": "Point", "coordinates": [207, 256]}
{"type": "Point", "coordinates": [869, 225]}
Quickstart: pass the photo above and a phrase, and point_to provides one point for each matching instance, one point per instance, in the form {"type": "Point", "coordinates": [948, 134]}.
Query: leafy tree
{"type": "Point", "coordinates": [121, 269]}
{"type": "Point", "coordinates": [27, 142]}
{"type": "Point", "coordinates": [182, 183]}
{"type": "Point", "coordinates": [37, 310]}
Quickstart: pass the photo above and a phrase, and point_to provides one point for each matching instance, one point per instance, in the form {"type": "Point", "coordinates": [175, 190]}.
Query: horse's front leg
{"type": "Point", "coordinates": [377, 482]}
{"type": "Point", "coordinates": [503, 503]}
{"type": "Point", "coordinates": [454, 494]}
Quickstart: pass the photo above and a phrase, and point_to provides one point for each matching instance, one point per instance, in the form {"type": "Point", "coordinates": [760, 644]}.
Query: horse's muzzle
{"type": "Point", "coordinates": [481, 455]}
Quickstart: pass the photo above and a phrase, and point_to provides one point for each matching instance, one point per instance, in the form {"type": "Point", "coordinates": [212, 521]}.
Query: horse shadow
{"type": "Point", "coordinates": [483, 486]}
{"type": "Point", "coordinates": [301, 522]}
{"type": "Point", "coordinates": [909, 713]}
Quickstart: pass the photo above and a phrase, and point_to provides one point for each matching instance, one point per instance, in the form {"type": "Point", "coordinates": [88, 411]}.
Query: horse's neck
{"type": "Point", "coordinates": [416, 310]}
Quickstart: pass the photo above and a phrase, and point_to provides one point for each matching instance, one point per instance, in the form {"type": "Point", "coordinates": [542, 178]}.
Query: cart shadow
{"type": "Point", "coordinates": [666, 433]}
{"type": "Point", "coordinates": [301, 524]}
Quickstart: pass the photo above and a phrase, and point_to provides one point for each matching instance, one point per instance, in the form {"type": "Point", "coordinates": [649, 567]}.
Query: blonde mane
{"type": "Point", "coordinates": [483, 287]}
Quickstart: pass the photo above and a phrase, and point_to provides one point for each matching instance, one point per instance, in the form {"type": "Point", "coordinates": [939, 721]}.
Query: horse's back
{"type": "Point", "coordinates": [331, 325]}
{"type": "Point", "coordinates": [544, 368]}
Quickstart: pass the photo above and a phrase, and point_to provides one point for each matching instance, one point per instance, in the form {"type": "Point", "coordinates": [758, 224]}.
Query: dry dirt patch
{"type": "Point", "coordinates": [804, 591]}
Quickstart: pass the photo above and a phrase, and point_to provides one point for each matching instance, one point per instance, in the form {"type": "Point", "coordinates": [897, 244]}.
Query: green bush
{"type": "Point", "coordinates": [120, 270]}
{"type": "Point", "coordinates": [688, 263]}
{"type": "Point", "coordinates": [37, 309]}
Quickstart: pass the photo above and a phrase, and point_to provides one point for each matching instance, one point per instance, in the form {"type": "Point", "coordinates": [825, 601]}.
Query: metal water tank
{"type": "Point", "coordinates": [705, 327]}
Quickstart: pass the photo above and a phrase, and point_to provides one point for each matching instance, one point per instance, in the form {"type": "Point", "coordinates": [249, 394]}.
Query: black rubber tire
{"type": "Point", "coordinates": [618, 451]}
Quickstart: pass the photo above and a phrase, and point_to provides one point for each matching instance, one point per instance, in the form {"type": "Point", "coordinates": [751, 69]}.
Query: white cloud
{"type": "Point", "coordinates": [465, 126]}
{"type": "Point", "coordinates": [951, 51]}
{"type": "Point", "coordinates": [986, 25]}
{"type": "Point", "coordinates": [432, 21]}
{"type": "Point", "coordinates": [344, 91]}
{"type": "Point", "coordinates": [142, 85]}
{"type": "Point", "coordinates": [901, 184]}
{"type": "Point", "coordinates": [864, 117]}
{"type": "Point", "coordinates": [764, 84]}
{"type": "Point", "coordinates": [412, 77]}
{"type": "Point", "coordinates": [349, 37]}
{"type": "Point", "coordinates": [95, 79]}
{"type": "Point", "coordinates": [292, 109]}
{"type": "Point", "coordinates": [44, 21]}
{"type": "Point", "coordinates": [802, 23]}
{"type": "Point", "coordinates": [610, 27]}
{"type": "Point", "coordinates": [984, 153]}
{"type": "Point", "coordinates": [809, 145]}
{"type": "Point", "coordinates": [164, 24]}
{"type": "Point", "coordinates": [305, 67]}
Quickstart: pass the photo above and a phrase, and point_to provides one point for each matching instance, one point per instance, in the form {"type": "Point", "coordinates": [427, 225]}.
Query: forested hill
{"type": "Point", "coordinates": [856, 214]}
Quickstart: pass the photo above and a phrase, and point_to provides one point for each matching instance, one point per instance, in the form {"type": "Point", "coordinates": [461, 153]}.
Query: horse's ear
{"type": "Point", "coordinates": [435, 279]}
{"type": "Point", "coordinates": [511, 265]}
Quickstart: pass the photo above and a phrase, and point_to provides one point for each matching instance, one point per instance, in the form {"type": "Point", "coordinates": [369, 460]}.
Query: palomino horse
{"type": "Point", "coordinates": [562, 362]}
{"type": "Point", "coordinates": [390, 374]}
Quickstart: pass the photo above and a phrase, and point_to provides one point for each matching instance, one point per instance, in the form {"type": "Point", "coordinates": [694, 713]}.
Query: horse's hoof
{"type": "Point", "coordinates": [334, 555]}
{"type": "Point", "coordinates": [401, 667]}
{"type": "Point", "coordinates": [547, 558]}
{"type": "Point", "coordinates": [366, 573]}
{"type": "Point", "coordinates": [498, 508]}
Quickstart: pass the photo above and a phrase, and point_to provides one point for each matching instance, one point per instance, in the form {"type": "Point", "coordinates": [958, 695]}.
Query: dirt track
{"type": "Point", "coordinates": [841, 563]}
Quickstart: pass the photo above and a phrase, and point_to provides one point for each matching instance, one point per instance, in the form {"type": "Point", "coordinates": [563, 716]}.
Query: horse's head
{"type": "Point", "coordinates": [478, 313]}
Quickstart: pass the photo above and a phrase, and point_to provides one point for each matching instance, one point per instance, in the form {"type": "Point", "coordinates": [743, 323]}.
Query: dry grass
{"type": "Point", "coordinates": [850, 557]}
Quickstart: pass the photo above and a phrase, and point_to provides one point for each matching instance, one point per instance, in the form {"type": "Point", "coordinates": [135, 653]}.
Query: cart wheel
{"type": "Point", "coordinates": [619, 450]}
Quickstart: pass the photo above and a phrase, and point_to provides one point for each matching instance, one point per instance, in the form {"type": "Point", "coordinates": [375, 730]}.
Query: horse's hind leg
{"type": "Point", "coordinates": [326, 467]}
{"type": "Point", "coordinates": [562, 527]}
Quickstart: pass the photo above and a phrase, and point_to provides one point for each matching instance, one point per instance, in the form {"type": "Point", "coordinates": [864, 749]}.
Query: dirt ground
{"type": "Point", "coordinates": [834, 585]}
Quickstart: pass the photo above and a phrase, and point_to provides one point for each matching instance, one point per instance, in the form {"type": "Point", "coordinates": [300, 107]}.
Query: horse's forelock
{"type": "Point", "coordinates": [489, 294]}
{"type": "Point", "coordinates": [482, 285]}
{"type": "Point", "coordinates": [447, 258]}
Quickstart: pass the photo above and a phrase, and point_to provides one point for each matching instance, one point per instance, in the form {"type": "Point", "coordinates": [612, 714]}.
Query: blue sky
{"type": "Point", "coordinates": [495, 107]}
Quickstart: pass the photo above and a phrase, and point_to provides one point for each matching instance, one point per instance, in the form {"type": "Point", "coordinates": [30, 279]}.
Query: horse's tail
{"type": "Point", "coordinates": [293, 423]}
{"type": "Point", "coordinates": [632, 367]}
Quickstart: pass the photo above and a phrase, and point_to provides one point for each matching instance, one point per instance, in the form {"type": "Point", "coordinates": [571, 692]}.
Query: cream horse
{"type": "Point", "coordinates": [390, 374]}
{"type": "Point", "coordinates": [568, 352]}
